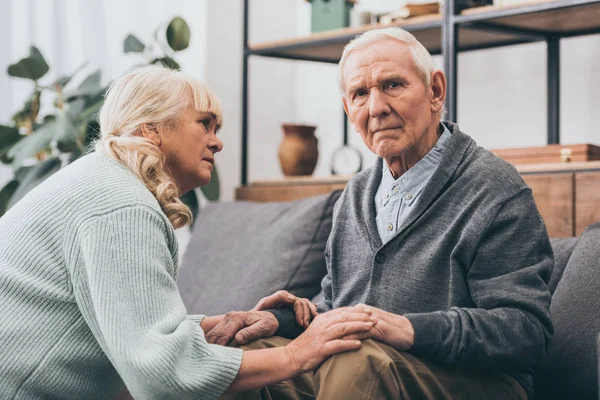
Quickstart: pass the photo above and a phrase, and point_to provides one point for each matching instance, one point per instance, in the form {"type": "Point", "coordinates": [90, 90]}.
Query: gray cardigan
{"type": "Point", "coordinates": [469, 267]}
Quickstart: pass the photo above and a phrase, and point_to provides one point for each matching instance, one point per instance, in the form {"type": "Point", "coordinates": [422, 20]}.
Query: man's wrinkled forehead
{"type": "Point", "coordinates": [386, 56]}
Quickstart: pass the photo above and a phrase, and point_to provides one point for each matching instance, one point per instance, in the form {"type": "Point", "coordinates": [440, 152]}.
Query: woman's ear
{"type": "Point", "coordinates": [438, 90]}
{"type": "Point", "coordinates": [150, 132]}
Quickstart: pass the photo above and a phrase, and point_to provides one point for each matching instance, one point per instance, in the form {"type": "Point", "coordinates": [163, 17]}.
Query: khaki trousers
{"type": "Point", "coordinates": [378, 371]}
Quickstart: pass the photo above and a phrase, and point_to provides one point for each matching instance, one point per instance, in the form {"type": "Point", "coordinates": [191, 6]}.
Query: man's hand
{"type": "Point", "coordinates": [244, 326]}
{"type": "Point", "coordinates": [328, 335]}
{"type": "Point", "coordinates": [394, 330]}
{"type": "Point", "coordinates": [304, 309]}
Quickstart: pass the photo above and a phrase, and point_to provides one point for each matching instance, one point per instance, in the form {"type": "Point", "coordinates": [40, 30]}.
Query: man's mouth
{"type": "Point", "coordinates": [391, 128]}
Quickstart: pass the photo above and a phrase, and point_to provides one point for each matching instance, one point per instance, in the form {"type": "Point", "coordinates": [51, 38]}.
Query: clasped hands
{"type": "Point", "coordinates": [248, 326]}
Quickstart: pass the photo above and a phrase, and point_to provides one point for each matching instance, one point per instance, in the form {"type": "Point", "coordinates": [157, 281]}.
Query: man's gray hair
{"type": "Point", "coordinates": [421, 57]}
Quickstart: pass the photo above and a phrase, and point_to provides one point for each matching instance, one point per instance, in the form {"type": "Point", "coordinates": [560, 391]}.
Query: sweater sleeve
{"type": "Point", "coordinates": [124, 285]}
{"type": "Point", "coordinates": [511, 326]}
{"type": "Point", "coordinates": [326, 304]}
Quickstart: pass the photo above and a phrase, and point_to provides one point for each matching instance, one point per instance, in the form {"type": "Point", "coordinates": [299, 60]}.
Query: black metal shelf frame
{"type": "Point", "coordinates": [450, 26]}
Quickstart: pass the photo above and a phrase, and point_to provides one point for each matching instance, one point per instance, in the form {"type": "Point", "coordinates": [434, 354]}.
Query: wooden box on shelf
{"type": "Point", "coordinates": [553, 153]}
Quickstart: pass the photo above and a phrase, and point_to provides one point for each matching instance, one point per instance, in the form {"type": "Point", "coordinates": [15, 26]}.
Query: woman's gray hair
{"type": "Point", "coordinates": [421, 57]}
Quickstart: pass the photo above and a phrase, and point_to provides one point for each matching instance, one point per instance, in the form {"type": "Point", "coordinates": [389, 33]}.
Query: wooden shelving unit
{"type": "Point", "coordinates": [448, 34]}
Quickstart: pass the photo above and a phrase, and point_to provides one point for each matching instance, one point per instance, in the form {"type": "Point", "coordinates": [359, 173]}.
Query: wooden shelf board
{"type": "Point", "coordinates": [559, 167]}
{"type": "Point", "coordinates": [555, 16]}
{"type": "Point", "coordinates": [301, 180]}
{"type": "Point", "coordinates": [561, 16]}
{"type": "Point", "coordinates": [344, 33]}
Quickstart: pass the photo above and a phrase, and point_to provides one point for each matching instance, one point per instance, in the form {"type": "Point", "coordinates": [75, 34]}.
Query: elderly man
{"type": "Point", "coordinates": [441, 240]}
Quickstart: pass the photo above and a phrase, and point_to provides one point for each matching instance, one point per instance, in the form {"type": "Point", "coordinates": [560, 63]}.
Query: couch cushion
{"type": "Point", "coordinates": [569, 370]}
{"type": "Point", "coordinates": [563, 248]}
{"type": "Point", "coordinates": [240, 252]}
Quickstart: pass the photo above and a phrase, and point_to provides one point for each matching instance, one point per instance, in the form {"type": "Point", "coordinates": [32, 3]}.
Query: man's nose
{"type": "Point", "coordinates": [378, 104]}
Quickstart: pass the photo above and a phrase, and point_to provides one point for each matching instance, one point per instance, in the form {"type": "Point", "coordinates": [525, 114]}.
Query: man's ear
{"type": "Point", "coordinates": [150, 132]}
{"type": "Point", "coordinates": [438, 90]}
{"type": "Point", "coordinates": [345, 103]}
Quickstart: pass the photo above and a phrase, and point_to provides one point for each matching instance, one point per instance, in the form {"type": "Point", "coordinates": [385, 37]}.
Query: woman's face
{"type": "Point", "coordinates": [190, 147]}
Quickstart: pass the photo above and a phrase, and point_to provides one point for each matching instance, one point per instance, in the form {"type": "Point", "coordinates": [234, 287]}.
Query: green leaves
{"type": "Point", "coordinates": [32, 67]}
{"type": "Point", "coordinates": [212, 191]}
{"type": "Point", "coordinates": [191, 200]}
{"type": "Point", "coordinates": [133, 45]}
{"type": "Point", "coordinates": [167, 62]}
{"type": "Point", "coordinates": [5, 195]}
{"type": "Point", "coordinates": [8, 136]}
{"type": "Point", "coordinates": [34, 177]}
{"type": "Point", "coordinates": [89, 87]}
{"type": "Point", "coordinates": [178, 34]}
{"type": "Point", "coordinates": [31, 145]}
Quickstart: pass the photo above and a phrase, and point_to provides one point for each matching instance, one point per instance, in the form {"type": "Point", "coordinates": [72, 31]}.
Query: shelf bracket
{"type": "Point", "coordinates": [449, 52]}
{"type": "Point", "coordinates": [553, 75]}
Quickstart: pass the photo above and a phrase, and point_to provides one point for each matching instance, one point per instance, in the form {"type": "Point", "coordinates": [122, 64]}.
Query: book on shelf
{"type": "Point", "coordinates": [411, 10]}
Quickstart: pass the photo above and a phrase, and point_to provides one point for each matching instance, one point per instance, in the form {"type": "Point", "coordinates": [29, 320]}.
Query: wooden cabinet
{"type": "Point", "coordinates": [587, 200]}
{"type": "Point", "coordinates": [289, 188]}
{"type": "Point", "coordinates": [567, 194]}
{"type": "Point", "coordinates": [554, 196]}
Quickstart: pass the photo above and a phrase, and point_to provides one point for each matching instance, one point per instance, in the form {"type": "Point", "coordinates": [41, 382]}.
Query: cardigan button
{"type": "Point", "coordinates": [380, 258]}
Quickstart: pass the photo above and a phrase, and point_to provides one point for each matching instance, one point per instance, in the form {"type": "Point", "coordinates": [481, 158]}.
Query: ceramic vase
{"type": "Point", "coordinates": [298, 151]}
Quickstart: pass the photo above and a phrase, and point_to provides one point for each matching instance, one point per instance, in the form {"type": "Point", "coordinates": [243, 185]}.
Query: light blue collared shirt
{"type": "Point", "coordinates": [395, 198]}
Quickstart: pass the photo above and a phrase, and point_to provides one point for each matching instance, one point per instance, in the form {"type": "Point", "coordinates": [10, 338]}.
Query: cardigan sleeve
{"type": "Point", "coordinates": [124, 285]}
{"type": "Point", "coordinates": [511, 325]}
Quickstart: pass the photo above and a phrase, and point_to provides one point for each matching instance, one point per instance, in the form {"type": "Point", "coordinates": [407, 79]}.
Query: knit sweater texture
{"type": "Point", "coordinates": [468, 267]}
{"type": "Point", "coordinates": [88, 295]}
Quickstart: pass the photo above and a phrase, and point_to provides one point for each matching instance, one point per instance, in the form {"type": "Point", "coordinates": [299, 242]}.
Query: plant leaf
{"type": "Point", "coordinates": [212, 191]}
{"type": "Point", "coordinates": [191, 200]}
{"type": "Point", "coordinates": [34, 177]}
{"type": "Point", "coordinates": [167, 62]}
{"type": "Point", "coordinates": [133, 45]}
{"type": "Point", "coordinates": [66, 133]}
{"type": "Point", "coordinates": [178, 34]}
{"type": "Point", "coordinates": [89, 87]}
{"type": "Point", "coordinates": [32, 144]}
{"type": "Point", "coordinates": [64, 80]}
{"type": "Point", "coordinates": [9, 135]}
{"type": "Point", "coordinates": [32, 67]}
{"type": "Point", "coordinates": [6, 194]}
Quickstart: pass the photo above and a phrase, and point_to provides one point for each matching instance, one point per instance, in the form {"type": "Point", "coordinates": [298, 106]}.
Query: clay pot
{"type": "Point", "coordinates": [298, 151]}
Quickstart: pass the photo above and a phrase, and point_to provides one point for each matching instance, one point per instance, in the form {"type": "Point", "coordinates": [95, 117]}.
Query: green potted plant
{"type": "Point", "coordinates": [36, 145]}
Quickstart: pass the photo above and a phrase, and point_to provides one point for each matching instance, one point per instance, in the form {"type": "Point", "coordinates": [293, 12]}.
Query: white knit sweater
{"type": "Point", "coordinates": [88, 295]}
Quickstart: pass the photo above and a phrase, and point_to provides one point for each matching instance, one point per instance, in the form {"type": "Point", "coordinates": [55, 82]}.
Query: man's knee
{"type": "Point", "coordinates": [267, 343]}
{"type": "Point", "coordinates": [370, 357]}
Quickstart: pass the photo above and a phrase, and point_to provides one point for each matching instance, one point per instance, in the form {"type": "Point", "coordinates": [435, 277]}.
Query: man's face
{"type": "Point", "coordinates": [386, 99]}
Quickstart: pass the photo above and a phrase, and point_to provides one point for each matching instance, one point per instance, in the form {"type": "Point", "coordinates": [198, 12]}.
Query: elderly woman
{"type": "Point", "coordinates": [88, 262]}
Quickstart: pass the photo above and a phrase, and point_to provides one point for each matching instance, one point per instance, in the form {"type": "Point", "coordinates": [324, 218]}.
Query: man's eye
{"type": "Point", "coordinates": [392, 85]}
{"type": "Point", "coordinates": [360, 93]}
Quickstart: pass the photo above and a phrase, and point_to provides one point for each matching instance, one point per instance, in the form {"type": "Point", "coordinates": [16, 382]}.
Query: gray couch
{"type": "Point", "coordinates": [241, 252]}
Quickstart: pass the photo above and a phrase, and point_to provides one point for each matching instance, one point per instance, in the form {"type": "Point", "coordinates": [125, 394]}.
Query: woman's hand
{"type": "Point", "coordinates": [304, 309]}
{"type": "Point", "coordinates": [326, 336]}
{"type": "Point", "coordinates": [392, 329]}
